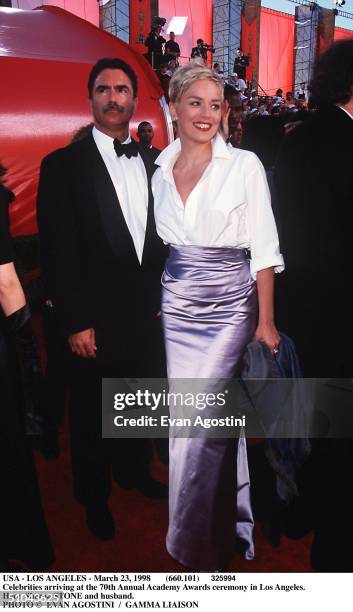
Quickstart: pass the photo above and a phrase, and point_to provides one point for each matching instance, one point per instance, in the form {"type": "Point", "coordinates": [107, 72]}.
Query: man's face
{"type": "Point", "coordinates": [172, 36]}
{"type": "Point", "coordinates": [145, 134]}
{"type": "Point", "coordinates": [112, 103]}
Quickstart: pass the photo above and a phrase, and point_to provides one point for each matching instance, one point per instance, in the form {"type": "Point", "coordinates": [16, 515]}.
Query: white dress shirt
{"type": "Point", "coordinates": [130, 182]}
{"type": "Point", "coordinates": [229, 207]}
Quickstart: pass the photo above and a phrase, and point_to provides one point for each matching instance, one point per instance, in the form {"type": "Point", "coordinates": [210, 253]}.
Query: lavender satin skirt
{"type": "Point", "coordinates": [209, 310]}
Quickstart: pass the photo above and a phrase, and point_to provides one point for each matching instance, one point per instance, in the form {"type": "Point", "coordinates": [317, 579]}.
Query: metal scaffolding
{"type": "Point", "coordinates": [306, 40]}
{"type": "Point", "coordinates": [114, 18]}
{"type": "Point", "coordinates": [226, 32]}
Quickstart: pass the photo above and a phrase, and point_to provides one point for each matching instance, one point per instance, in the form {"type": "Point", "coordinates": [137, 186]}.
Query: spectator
{"type": "Point", "coordinates": [232, 97]}
{"type": "Point", "coordinates": [315, 185]}
{"type": "Point", "coordinates": [172, 49]}
{"type": "Point", "coordinates": [154, 42]}
{"type": "Point", "coordinates": [201, 50]}
{"type": "Point", "coordinates": [240, 63]}
{"type": "Point", "coordinates": [300, 94]}
{"type": "Point", "coordinates": [164, 79]}
{"type": "Point", "coordinates": [23, 530]}
{"type": "Point", "coordinates": [145, 135]}
{"type": "Point", "coordinates": [238, 83]}
{"type": "Point", "coordinates": [172, 66]}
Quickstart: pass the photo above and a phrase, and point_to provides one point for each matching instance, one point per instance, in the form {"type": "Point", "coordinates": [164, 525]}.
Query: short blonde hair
{"type": "Point", "coordinates": [188, 74]}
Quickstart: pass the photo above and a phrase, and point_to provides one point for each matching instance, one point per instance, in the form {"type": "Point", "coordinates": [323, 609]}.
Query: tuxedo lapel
{"type": "Point", "coordinates": [151, 234]}
{"type": "Point", "coordinates": [113, 220]}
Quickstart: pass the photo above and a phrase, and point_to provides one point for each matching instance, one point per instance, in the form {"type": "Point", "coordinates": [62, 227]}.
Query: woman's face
{"type": "Point", "coordinates": [199, 112]}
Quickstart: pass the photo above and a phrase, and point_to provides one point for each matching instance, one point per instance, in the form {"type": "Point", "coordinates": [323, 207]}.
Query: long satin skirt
{"type": "Point", "coordinates": [209, 311]}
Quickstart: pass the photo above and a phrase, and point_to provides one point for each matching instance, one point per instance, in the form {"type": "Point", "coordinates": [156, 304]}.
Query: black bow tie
{"type": "Point", "coordinates": [130, 149]}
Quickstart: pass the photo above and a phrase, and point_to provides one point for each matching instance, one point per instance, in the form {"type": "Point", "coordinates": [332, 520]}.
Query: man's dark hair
{"type": "Point", "coordinates": [142, 124]}
{"type": "Point", "coordinates": [332, 80]}
{"type": "Point", "coordinates": [112, 63]}
{"type": "Point", "coordinates": [199, 41]}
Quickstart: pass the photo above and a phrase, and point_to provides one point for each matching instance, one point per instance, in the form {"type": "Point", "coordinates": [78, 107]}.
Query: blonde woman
{"type": "Point", "coordinates": [212, 205]}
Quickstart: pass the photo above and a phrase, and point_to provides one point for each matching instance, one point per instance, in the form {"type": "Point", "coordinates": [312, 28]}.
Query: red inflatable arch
{"type": "Point", "coordinates": [45, 58]}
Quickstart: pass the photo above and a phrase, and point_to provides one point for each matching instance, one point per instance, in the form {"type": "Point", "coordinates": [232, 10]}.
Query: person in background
{"type": "Point", "coordinates": [154, 42]}
{"type": "Point", "coordinates": [164, 78]}
{"type": "Point", "coordinates": [172, 66]}
{"type": "Point", "coordinates": [172, 49]}
{"type": "Point", "coordinates": [314, 180]}
{"type": "Point", "coordinates": [240, 63]}
{"type": "Point", "coordinates": [201, 50]}
{"type": "Point", "coordinates": [300, 94]}
{"type": "Point", "coordinates": [145, 135]}
{"type": "Point", "coordinates": [23, 532]}
{"type": "Point", "coordinates": [238, 83]}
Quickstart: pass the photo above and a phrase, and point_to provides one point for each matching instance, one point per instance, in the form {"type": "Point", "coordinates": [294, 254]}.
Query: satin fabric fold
{"type": "Point", "coordinates": [209, 312]}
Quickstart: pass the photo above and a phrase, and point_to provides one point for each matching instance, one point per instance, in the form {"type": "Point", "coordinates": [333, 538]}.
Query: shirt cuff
{"type": "Point", "coordinates": [262, 263]}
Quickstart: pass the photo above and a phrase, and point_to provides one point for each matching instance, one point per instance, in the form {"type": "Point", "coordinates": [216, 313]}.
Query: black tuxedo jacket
{"type": "Point", "coordinates": [88, 257]}
{"type": "Point", "coordinates": [314, 181]}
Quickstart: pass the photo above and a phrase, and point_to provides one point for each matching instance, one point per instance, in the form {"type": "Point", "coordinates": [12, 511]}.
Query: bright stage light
{"type": "Point", "coordinates": [177, 25]}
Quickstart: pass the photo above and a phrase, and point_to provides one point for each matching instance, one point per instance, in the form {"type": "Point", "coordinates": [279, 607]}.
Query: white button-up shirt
{"type": "Point", "coordinates": [130, 182]}
{"type": "Point", "coordinates": [229, 207]}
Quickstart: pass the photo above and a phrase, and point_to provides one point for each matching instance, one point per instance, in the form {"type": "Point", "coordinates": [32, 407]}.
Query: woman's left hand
{"type": "Point", "coordinates": [267, 333]}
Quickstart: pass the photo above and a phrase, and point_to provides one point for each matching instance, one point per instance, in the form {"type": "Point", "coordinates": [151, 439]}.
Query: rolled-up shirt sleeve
{"type": "Point", "coordinates": [264, 243]}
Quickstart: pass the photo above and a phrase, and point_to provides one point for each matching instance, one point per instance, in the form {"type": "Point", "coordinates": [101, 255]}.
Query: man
{"type": "Point", "coordinates": [102, 259]}
{"type": "Point", "coordinates": [219, 73]}
{"type": "Point", "coordinates": [201, 50]}
{"type": "Point", "coordinates": [240, 63]}
{"type": "Point", "coordinates": [238, 83]}
{"type": "Point", "coordinates": [145, 135]}
{"type": "Point", "coordinates": [172, 49]}
{"type": "Point", "coordinates": [301, 92]}
{"type": "Point", "coordinates": [315, 186]}
{"type": "Point", "coordinates": [154, 42]}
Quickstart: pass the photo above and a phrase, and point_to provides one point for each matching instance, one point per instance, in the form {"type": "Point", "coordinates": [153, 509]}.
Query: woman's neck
{"type": "Point", "coordinates": [194, 153]}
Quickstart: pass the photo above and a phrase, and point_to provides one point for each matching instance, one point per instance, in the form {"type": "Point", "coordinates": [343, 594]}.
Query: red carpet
{"type": "Point", "coordinates": [140, 530]}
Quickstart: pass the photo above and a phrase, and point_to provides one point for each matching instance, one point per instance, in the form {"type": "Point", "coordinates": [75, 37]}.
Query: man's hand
{"type": "Point", "coordinates": [83, 343]}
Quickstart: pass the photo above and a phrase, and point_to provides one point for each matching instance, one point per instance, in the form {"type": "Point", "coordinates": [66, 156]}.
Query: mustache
{"type": "Point", "coordinates": [113, 106]}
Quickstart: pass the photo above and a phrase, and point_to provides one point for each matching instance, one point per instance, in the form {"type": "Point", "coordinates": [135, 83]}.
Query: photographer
{"type": "Point", "coordinates": [154, 42]}
{"type": "Point", "coordinates": [201, 50]}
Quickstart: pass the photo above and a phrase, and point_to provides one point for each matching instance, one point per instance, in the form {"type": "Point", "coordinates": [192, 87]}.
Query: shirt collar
{"type": "Point", "coordinates": [105, 142]}
{"type": "Point", "coordinates": [169, 155]}
{"type": "Point", "coordinates": [346, 111]}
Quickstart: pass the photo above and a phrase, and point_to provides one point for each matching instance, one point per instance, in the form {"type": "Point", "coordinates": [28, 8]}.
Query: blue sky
{"type": "Point", "coordinates": [289, 7]}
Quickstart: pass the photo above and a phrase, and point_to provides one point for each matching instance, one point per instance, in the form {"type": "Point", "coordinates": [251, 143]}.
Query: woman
{"type": "Point", "coordinates": [23, 532]}
{"type": "Point", "coordinates": [211, 205]}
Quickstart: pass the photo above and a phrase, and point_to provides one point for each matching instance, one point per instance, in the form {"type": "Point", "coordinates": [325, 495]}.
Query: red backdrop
{"type": "Point", "coordinates": [86, 9]}
{"type": "Point", "coordinates": [276, 51]}
{"type": "Point", "coordinates": [140, 23]}
{"type": "Point", "coordinates": [250, 36]}
{"type": "Point", "coordinates": [199, 23]}
{"type": "Point", "coordinates": [45, 59]}
{"type": "Point", "coordinates": [342, 33]}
